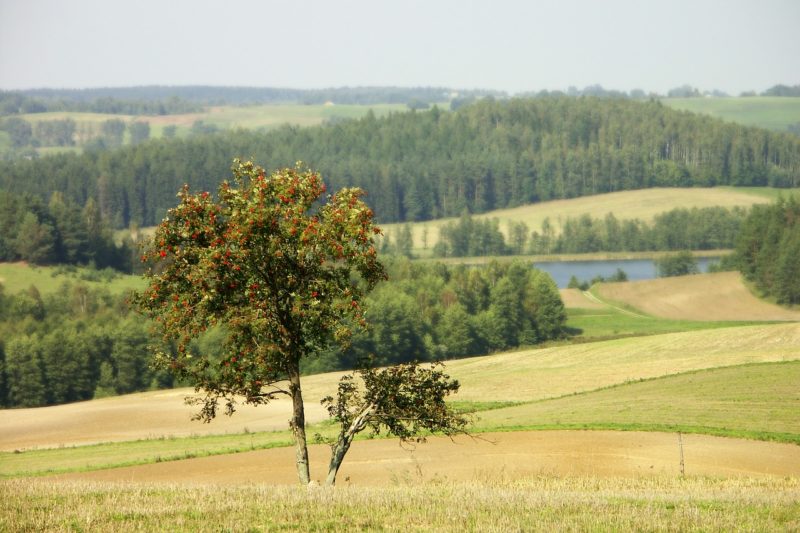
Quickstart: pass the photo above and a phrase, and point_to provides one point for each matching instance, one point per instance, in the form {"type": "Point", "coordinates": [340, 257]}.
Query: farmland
{"type": "Point", "coordinates": [775, 113]}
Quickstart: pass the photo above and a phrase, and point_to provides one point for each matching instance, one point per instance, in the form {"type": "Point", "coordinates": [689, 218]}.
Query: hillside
{"type": "Point", "coordinates": [428, 165]}
{"type": "Point", "coordinates": [526, 375]}
{"type": "Point", "coordinates": [720, 296]}
{"type": "Point", "coordinates": [774, 113]}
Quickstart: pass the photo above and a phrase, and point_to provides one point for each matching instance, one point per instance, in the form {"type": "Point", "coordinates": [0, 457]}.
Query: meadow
{"type": "Point", "coordinates": [771, 112]}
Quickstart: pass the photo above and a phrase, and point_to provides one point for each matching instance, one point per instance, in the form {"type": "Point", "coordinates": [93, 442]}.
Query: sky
{"type": "Point", "coordinates": [514, 46]}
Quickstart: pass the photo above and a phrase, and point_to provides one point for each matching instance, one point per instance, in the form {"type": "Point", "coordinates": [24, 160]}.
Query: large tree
{"type": "Point", "coordinates": [283, 275]}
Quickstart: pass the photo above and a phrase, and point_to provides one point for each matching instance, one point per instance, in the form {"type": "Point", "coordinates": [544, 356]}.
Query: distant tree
{"type": "Point", "coordinates": [35, 242]}
{"type": "Point", "coordinates": [139, 131]}
{"type": "Point", "coordinates": [19, 130]}
{"type": "Point", "coordinates": [418, 105]}
{"type": "Point", "coordinates": [112, 132]}
{"type": "Point", "coordinates": [282, 273]}
{"type": "Point", "coordinates": [684, 91]}
{"type": "Point", "coordinates": [169, 131]}
{"type": "Point", "coordinates": [679, 264]}
{"type": "Point", "coordinates": [26, 384]}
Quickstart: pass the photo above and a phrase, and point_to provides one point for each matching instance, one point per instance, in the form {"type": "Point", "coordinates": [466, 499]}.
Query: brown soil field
{"type": "Point", "coordinates": [146, 415]}
{"type": "Point", "coordinates": [495, 456]}
{"type": "Point", "coordinates": [719, 296]}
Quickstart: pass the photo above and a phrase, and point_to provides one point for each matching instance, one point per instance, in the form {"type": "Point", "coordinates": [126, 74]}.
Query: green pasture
{"type": "Point", "coordinates": [758, 401]}
{"type": "Point", "coordinates": [595, 324]}
{"type": "Point", "coordinates": [16, 277]}
{"type": "Point", "coordinates": [771, 112]}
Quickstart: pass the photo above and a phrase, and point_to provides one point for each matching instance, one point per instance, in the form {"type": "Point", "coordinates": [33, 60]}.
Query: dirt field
{"type": "Point", "coordinates": [721, 296]}
{"type": "Point", "coordinates": [497, 456]}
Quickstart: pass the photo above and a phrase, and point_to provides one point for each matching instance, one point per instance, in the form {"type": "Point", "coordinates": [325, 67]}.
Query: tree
{"type": "Point", "coordinates": [404, 400]}
{"type": "Point", "coordinates": [139, 131]}
{"type": "Point", "coordinates": [679, 264]}
{"type": "Point", "coordinates": [283, 274]}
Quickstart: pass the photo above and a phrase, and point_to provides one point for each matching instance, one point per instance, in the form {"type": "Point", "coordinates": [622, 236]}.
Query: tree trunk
{"type": "Point", "coordinates": [298, 425]}
{"type": "Point", "coordinates": [345, 439]}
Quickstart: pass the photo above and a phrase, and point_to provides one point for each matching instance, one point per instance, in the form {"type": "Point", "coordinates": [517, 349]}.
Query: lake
{"type": "Point", "coordinates": [636, 269]}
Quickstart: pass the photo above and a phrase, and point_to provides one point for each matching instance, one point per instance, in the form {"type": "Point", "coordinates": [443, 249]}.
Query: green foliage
{"type": "Point", "coordinates": [405, 401]}
{"type": "Point", "coordinates": [679, 264]}
{"type": "Point", "coordinates": [60, 232]}
{"type": "Point", "coordinates": [768, 249]}
{"type": "Point", "coordinates": [261, 263]}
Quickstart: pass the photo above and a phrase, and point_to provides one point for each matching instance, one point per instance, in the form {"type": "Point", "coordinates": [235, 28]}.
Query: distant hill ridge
{"type": "Point", "coordinates": [426, 165]}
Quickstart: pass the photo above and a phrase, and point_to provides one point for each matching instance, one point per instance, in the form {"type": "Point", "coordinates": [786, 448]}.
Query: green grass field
{"type": "Point", "coordinates": [757, 401]}
{"type": "Point", "coordinates": [775, 113]}
{"type": "Point", "coordinates": [16, 277]}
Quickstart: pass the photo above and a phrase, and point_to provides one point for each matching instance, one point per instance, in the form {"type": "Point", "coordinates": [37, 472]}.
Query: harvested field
{"type": "Point", "coordinates": [720, 296]}
{"type": "Point", "coordinates": [493, 457]}
{"type": "Point", "coordinates": [515, 376]}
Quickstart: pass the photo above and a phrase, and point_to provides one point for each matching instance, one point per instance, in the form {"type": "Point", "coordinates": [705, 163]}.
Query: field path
{"type": "Point", "coordinates": [597, 300]}
{"type": "Point", "coordinates": [497, 456]}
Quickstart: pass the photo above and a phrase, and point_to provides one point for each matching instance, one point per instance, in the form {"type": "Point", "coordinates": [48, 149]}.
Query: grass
{"type": "Point", "coordinates": [598, 324]}
{"type": "Point", "coordinates": [130, 453]}
{"type": "Point", "coordinates": [17, 277]}
{"type": "Point", "coordinates": [774, 113]}
{"type": "Point", "coordinates": [543, 503]}
{"type": "Point", "coordinates": [756, 401]}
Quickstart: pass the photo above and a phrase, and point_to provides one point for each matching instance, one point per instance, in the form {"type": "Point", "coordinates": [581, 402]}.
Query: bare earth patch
{"type": "Point", "coordinates": [720, 296]}
{"type": "Point", "coordinates": [497, 456]}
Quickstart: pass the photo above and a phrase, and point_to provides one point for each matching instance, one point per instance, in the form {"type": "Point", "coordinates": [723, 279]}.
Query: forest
{"type": "Point", "coordinates": [81, 343]}
{"type": "Point", "coordinates": [768, 249]}
{"type": "Point", "coordinates": [432, 164]}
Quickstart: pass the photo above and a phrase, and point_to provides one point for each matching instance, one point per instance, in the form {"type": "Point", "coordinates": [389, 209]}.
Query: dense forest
{"type": "Point", "coordinates": [80, 343]}
{"type": "Point", "coordinates": [59, 232]}
{"type": "Point", "coordinates": [425, 165]}
{"type": "Point", "coordinates": [768, 249]}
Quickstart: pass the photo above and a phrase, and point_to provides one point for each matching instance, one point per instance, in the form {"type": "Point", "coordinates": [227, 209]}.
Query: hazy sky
{"type": "Point", "coordinates": [732, 45]}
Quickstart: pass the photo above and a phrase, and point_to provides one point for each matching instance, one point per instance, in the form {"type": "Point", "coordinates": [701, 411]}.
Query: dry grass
{"type": "Point", "coordinates": [721, 296]}
{"type": "Point", "coordinates": [541, 503]}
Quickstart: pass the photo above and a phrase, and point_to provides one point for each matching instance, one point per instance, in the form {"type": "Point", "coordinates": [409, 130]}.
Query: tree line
{"type": "Point", "coordinates": [59, 232]}
{"type": "Point", "coordinates": [77, 343]}
{"type": "Point", "coordinates": [86, 101]}
{"type": "Point", "coordinates": [433, 311]}
{"type": "Point", "coordinates": [707, 228]}
{"type": "Point", "coordinates": [768, 249]}
{"type": "Point", "coordinates": [433, 164]}
{"type": "Point", "coordinates": [80, 343]}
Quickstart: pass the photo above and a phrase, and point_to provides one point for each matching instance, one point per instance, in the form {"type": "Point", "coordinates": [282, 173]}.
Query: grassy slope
{"type": "Point", "coordinates": [774, 113]}
{"type": "Point", "coordinates": [642, 204]}
{"type": "Point", "coordinates": [17, 277]}
{"type": "Point", "coordinates": [755, 401]}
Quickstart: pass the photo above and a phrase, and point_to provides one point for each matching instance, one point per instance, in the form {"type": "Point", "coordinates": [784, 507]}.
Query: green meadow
{"type": "Point", "coordinates": [771, 112]}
